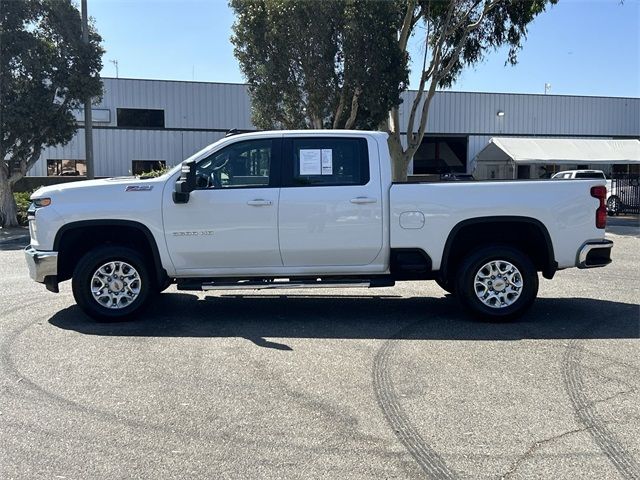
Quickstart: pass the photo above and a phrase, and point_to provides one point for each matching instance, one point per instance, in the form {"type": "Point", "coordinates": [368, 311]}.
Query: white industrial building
{"type": "Point", "coordinates": [141, 124]}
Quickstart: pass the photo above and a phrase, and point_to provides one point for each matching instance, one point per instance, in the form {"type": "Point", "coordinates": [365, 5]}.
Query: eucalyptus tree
{"type": "Point", "coordinates": [458, 34]}
{"type": "Point", "coordinates": [329, 64]}
{"type": "Point", "coordinates": [46, 71]}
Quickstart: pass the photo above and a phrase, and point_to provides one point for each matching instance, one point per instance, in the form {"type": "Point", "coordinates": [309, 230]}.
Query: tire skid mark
{"type": "Point", "coordinates": [584, 411]}
{"type": "Point", "coordinates": [612, 360]}
{"type": "Point", "coordinates": [7, 362]}
{"type": "Point", "coordinates": [431, 463]}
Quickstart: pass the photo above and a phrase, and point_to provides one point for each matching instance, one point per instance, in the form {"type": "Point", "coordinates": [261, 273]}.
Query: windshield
{"type": "Point", "coordinates": [198, 154]}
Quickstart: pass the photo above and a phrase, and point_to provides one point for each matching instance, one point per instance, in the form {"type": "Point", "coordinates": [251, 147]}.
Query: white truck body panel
{"type": "Point", "coordinates": [566, 209]}
{"type": "Point", "coordinates": [315, 230]}
{"type": "Point", "coordinates": [339, 226]}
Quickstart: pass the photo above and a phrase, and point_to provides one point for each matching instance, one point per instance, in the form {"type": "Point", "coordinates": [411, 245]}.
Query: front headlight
{"type": "Point", "coordinates": [41, 202]}
{"type": "Point", "coordinates": [37, 203]}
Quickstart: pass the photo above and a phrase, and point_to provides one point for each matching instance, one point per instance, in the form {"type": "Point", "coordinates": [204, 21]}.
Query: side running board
{"type": "Point", "coordinates": [281, 283]}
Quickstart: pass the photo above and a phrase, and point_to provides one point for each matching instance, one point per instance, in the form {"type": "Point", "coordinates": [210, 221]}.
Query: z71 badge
{"type": "Point", "coordinates": [138, 188]}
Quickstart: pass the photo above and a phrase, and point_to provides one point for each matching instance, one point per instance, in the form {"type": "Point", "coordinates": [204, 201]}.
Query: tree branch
{"type": "Point", "coordinates": [468, 29]}
{"type": "Point", "coordinates": [416, 140]}
{"type": "Point", "coordinates": [423, 77]}
{"type": "Point", "coordinates": [354, 108]}
{"type": "Point", "coordinates": [340, 108]}
{"type": "Point", "coordinates": [407, 24]}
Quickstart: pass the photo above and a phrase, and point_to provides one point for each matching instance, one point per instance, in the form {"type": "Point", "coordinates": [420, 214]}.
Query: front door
{"type": "Point", "coordinates": [330, 202]}
{"type": "Point", "coordinates": [231, 220]}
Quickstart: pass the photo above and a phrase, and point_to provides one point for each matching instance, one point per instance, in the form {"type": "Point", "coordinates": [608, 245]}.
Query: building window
{"type": "Point", "coordinates": [66, 168]}
{"type": "Point", "coordinates": [140, 117]}
{"type": "Point", "coordinates": [98, 115]}
{"type": "Point", "coordinates": [329, 161]}
{"type": "Point", "coordinates": [242, 164]}
{"type": "Point", "coordinates": [626, 169]}
{"type": "Point", "coordinates": [138, 167]}
{"type": "Point", "coordinates": [441, 155]}
{"type": "Point", "coordinates": [524, 171]}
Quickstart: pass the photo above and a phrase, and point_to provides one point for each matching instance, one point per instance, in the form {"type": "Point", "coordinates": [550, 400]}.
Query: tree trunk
{"type": "Point", "coordinates": [8, 208]}
{"type": "Point", "coordinates": [399, 158]}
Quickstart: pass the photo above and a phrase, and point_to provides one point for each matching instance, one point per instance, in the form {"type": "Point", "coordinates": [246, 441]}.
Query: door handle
{"type": "Point", "coordinates": [259, 202]}
{"type": "Point", "coordinates": [362, 200]}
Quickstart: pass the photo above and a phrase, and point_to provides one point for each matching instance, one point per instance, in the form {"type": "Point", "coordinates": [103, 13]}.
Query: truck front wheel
{"type": "Point", "coordinates": [111, 283]}
{"type": "Point", "coordinates": [497, 283]}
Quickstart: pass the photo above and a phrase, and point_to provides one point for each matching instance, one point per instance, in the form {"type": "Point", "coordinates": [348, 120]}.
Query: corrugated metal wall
{"type": "Point", "coordinates": [115, 149]}
{"type": "Point", "coordinates": [186, 104]}
{"type": "Point", "coordinates": [553, 115]}
{"type": "Point", "coordinates": [197, 114]}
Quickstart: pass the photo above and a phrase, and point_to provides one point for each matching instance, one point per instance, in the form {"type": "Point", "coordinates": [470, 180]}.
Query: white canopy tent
{"type": "Point", "coordinates": [535, 157]}
{"type": "Point", "coordinates": [561, 151]}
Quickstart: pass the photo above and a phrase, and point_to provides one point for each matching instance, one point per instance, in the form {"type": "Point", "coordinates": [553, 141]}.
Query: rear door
{"type": "Point", "coordinates": [330, 210]}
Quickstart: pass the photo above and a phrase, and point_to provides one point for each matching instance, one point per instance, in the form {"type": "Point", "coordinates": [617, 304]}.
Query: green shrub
{"type": "Point", "coordinates": [154, 173]}
{"type": "Point", "coordinates": [22, 202]}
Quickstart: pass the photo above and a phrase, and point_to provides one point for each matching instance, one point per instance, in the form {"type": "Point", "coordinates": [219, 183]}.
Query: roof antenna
{"type": "Point", "coordinates": [232, 132]}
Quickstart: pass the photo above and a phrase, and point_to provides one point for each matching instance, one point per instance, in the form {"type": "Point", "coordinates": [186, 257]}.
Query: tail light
{"type": "Point", "coordinates": [601, 213]}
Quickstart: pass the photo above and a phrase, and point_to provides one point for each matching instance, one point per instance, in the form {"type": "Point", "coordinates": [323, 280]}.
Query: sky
{"type": "Point", "coordinates": [580, 47]}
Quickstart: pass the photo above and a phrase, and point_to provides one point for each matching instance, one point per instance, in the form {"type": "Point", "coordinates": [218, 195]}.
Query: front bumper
{"type": "Point", "coordinates": [594, 254]}
{"type": "Point", "coordinates": [41, 264]}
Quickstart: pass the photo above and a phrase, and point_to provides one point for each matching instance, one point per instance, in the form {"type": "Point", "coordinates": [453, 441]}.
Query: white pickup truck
{"type": "Point", "coordinates": [292, 209]}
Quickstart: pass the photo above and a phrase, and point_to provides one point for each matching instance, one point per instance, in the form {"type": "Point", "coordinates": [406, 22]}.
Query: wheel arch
{"type": "Point", "coordinates": [76, 238]}
{"type": "Point", "coordinates": [524, 231]}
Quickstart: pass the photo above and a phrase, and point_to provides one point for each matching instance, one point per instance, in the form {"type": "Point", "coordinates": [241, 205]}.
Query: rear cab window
{"type": "Point", "coordinates": [322, 161]}
{"type": "Point", "coordinates": [599, 175]}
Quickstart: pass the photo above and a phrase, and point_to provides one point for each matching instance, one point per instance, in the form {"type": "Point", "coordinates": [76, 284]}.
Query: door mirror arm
{"type": "Point", "coordinates": [186, 183]}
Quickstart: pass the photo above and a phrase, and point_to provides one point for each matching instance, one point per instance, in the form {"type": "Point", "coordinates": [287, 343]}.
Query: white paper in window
{"type": "Point", "coordinates": [310, 162]}
{"type": "Point", "coordinates": [327, 161]}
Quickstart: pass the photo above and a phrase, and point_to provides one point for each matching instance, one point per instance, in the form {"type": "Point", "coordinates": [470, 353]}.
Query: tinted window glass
{"type": "Point", "coordinates": [140, 117]}
{"type": "Point", "coordinates": [66, 168]}
{"type": "Point", "coordinates": [590, 175]}
{"type": "Point", "coordinates": [138, 167]}
{"type": "Point", "coordinates": [242, 164]}
{"type": "Point", "coordinates": [329, 161]}
{"type": "Point", "coordinates": [441, 155]}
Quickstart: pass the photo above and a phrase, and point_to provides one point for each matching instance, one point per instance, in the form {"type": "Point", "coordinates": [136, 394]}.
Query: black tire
{"type": "Point", "coordinates": [84, 273]}
{"type": "Point", "coordinates": [163, 285]}
{"type": "Point", "coordinates": [447, 285]}
{"type": "Point", "coordinates": [466, 285]}
{"type": "Point", "coordinates": [614, 205]}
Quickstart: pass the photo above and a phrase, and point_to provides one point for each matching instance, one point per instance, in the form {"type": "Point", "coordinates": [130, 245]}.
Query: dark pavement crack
{"type": "Point", "coordinates": [535, 446]}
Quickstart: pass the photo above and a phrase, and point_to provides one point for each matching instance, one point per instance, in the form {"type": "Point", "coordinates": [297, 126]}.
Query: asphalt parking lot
{"type": "Point", "coordinates": [357, 384]}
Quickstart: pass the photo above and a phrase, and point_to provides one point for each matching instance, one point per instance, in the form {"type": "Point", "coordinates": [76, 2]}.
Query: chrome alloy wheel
{"type": "Point", "coordinates": [115, 285]}
{"type": "Point", "coordinates": [498, 284]}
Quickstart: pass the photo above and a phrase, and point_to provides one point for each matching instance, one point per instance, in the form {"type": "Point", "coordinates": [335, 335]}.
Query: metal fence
{"type": "Point", "coordinates": [625, 194]}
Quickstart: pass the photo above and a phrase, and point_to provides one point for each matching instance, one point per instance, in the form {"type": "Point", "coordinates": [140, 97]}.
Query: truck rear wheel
{"type": "Point", "coordinates": [614, 205]}
{"type": "Point", "coordinates": [497, 283]}
{"type": "Point", "coordinates": [111, 283]}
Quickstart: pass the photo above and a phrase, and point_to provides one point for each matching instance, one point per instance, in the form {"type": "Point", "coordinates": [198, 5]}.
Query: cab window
{"type": "Point", "coordinates": [242, 164]}
{"type": "Point", "coordinates": [327, 162]}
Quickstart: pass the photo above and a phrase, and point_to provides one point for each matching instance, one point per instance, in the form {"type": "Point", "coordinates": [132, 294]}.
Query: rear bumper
{"type": "Point", "coordinates": [41, 264]}
{"type": "Point", "coordinates": [594, 254]}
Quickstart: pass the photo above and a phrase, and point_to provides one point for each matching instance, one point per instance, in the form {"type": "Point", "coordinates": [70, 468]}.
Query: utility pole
{"type": "Point", "coordinates": [88, 125]}
{"type": "Point", "coordinates": [115, 63]}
